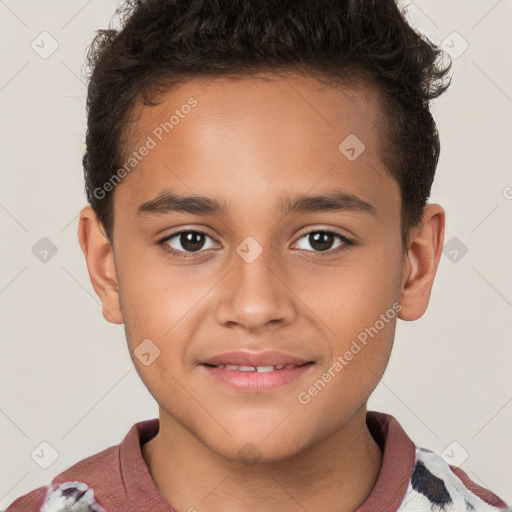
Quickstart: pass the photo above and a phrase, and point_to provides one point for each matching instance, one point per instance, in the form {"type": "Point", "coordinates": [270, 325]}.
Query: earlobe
{"type": "Point", "coordinates": [99, 257]}
{"type": "Point", "coordinates": [422, 259]}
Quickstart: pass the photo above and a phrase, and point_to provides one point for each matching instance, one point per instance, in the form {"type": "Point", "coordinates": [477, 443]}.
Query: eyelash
{"type": "Point", "coordinates": [347, 243]}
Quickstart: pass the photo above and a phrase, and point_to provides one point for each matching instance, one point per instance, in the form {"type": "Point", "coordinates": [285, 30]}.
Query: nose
{"type": "Point", "coordinates": [256, 295]}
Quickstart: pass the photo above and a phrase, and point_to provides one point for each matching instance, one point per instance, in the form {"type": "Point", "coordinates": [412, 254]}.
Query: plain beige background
{"type": "Point", "coordinates": [66, 376]}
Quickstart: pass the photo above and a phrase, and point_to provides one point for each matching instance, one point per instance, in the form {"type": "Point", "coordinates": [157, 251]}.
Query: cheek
{"type": "Point", "coordinates": [360, 306]}
{"type": "Point", "coordinates": [163, 305]}
{"type": "Point", "coordinates": [350, 297]}
{"type": "Point", "coordinates": [347, 378]}
{"type": "Point", "coordinates": [155, 296]}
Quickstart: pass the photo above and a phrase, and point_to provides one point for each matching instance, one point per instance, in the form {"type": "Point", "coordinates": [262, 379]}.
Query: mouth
{"type": "Point", "coordinates": [243, 360]}
{"type": "Point", "coordinates": [255, 372]}
{"type": "Point", "coordinates": [259, 369]}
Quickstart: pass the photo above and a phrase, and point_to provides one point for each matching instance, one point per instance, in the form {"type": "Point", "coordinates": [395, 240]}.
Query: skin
{"type": "Point", "coordinates": [248, 143]}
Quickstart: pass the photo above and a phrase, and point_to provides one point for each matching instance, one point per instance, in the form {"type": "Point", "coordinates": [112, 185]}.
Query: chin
{"type": "Point", "coordinates": [256, 450]}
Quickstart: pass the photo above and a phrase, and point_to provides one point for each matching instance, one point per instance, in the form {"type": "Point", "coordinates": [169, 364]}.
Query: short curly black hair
{"type": "Point", "coordinates": [161, 43]}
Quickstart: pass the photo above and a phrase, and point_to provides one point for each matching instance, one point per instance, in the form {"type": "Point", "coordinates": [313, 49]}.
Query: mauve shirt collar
{"type": "Point", "coordinates": [388, 493]}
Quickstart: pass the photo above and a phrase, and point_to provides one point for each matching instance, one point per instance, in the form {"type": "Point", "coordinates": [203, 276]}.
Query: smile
{"type": "Point", "coordinates": [255, 379]}
{"type": "Point", "coordinates": [256, 368]}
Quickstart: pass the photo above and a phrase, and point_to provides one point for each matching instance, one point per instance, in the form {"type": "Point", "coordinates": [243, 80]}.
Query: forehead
{"type": "Point", "coordinates": [239, 138]}
{"type": "Point", "coordinates": [294, 101]}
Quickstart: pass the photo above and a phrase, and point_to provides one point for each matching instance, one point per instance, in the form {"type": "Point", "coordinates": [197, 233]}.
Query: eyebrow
{"type": "Point", "coordinates": [334, 201]}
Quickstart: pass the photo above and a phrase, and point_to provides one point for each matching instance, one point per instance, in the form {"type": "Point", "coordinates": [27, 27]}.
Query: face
{"type": "Point", "coordinates": [292, 244]}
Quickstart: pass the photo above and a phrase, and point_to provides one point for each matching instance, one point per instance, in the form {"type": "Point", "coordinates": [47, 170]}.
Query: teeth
{"type": "Point", "coordinates": [246, 368]}
{"type": "Point", "coordinates": [265, 368]}
{"type": "Point", "coordinates": [260, 369]}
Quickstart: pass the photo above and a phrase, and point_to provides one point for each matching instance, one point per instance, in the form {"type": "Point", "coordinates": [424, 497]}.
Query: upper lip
{"type": "Point", "coordinates": [267, 358]}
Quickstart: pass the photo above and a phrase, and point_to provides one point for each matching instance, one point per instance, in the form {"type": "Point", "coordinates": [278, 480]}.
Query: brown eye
{"type": "Point", "coordinates": [187, 241]}
{"type": "Point", "coordinates": [322, 241]}
{"type": "Point", "coordinates": [191, 241]}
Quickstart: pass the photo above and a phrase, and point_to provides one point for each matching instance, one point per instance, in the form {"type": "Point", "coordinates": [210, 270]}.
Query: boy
{"type": "Point", "coordinates": [257, 174]}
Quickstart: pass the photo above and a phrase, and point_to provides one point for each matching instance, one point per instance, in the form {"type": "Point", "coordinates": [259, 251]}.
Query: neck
{"type": "Point", "coordinates": [336, 474]}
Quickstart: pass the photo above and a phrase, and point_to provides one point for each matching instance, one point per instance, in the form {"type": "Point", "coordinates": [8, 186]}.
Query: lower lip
{"type": "Point", "coordinates": [256, 382]}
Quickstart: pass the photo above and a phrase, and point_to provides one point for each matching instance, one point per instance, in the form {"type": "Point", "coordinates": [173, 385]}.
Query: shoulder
{"type": "Point", "coordinates": [435, 485]}
{"type": "Point", "coordinates": [73, 490]}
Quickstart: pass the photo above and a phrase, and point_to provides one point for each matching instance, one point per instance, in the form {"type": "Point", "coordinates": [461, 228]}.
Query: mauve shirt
{"type": "Point", "coordinates": [117, 479]}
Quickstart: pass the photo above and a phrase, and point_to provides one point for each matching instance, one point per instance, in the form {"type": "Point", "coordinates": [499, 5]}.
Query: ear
{"type": "Point", "coordinates": [421, 262]}
{"type": "Point", "coordinates": [99, 256]}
